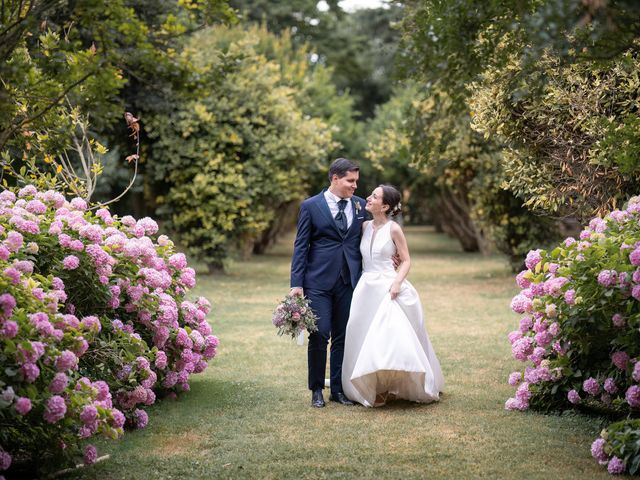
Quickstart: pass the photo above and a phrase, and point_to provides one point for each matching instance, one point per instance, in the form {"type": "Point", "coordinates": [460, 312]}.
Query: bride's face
{"type": "Point", "coordinates": [374, 202]}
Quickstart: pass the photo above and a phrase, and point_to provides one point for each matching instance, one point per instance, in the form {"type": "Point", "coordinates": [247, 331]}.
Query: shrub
{"type": "Point", "coordinates": [94, 316]}
{"type": "Point", "coordinates": [581, 307]}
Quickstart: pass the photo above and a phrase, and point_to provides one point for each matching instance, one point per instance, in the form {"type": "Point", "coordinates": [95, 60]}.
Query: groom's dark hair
{"type": "Point", "coordinates": [341, 166]}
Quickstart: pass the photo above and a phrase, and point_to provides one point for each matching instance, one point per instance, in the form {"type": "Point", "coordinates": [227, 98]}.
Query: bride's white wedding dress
{"type": "Point", "coordinates": [387, 351]}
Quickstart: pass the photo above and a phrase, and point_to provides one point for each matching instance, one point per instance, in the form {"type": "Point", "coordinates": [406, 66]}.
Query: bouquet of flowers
{"type": "Point", "coordinates": [294, 315]}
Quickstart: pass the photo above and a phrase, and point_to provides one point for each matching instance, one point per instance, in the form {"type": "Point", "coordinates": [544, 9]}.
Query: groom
{"type": "Point", "coordinates": [326, 265]}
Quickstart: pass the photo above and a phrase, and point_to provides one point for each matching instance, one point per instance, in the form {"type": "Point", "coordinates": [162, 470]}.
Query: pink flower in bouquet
{"type": "Point", "coordinates": [55, 409]}
{"type": "Point", "coordinates": [591, 386]}
{"type": "Point", "coordinates": [23, 405]}
{"type": "Point", "coordinates": [574, 397]}
{"type": "Point", "coordinates": [620, 360]}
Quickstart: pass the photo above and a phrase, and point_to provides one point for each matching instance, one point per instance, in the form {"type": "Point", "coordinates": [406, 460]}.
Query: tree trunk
{"type": "Point", "coordinates": [456, 220]}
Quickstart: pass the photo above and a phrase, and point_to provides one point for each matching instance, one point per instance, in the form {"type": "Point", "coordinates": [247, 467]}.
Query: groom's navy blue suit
{"type": "Point", "coordinates": [327, 264]}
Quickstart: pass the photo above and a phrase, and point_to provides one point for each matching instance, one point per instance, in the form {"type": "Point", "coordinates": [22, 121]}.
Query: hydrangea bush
{"type": "Point", "coordinates": [579, 331]}
{"type": "Point", "coordinates": [94, 323]}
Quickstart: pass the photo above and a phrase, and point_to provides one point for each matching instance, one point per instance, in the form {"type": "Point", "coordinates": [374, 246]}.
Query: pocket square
{"type": "Point", "coordinates": [360, 218]}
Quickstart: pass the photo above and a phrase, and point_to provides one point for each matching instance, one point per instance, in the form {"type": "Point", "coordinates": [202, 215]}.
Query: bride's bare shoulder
{"type": "Point", "coordinates": [365, 223]}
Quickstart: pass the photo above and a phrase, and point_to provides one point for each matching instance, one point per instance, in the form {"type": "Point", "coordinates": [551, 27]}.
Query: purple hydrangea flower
{"type": "Point", "coordinates": [620, 360]}
{"type": "Point", "coordinates": [23, 405]}
{"type": "Point", "coordinates": [597, 450]}
{"type": "Point", "coordinates": [573, 396]}
{"type": "Point", "coordinates": [632, 396]}
{"type": "Point", "coordinates": [616, 466]}
{"type": "Point", "coordinates": [55, 409]}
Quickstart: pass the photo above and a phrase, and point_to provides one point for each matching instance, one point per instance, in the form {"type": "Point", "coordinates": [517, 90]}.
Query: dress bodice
{"type": "Point", "coordinates": [377, 248]}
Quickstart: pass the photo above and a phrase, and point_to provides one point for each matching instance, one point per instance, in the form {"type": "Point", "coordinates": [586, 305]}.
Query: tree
{"type": "Point", "coordinates": [230, 161]}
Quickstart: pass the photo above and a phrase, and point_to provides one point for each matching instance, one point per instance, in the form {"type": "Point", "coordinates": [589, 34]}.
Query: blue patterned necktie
{"type": "Point", "coordinates": [341, 218]}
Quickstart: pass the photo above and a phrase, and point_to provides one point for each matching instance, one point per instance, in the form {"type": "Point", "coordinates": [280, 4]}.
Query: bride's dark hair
{"type": "Point", "coordinates": [391, 197]}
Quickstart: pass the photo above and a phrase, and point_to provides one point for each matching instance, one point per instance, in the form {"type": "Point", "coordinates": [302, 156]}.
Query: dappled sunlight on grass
{"type": "Point", "coordinates": [248, 414]}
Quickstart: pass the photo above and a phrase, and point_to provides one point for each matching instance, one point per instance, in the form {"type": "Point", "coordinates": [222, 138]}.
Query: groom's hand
{"type": "Point", "coordinates": [396, 261]}
{"type": "Point", "coordinates": [296, 292]}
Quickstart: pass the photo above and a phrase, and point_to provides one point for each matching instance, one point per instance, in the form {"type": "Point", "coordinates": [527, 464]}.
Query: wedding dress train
{"type": "Point", "coordinates": [387, 350]}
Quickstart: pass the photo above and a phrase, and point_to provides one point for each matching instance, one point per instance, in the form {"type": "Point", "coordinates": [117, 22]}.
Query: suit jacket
{"type": "Point", "coordinates": [320, 248]}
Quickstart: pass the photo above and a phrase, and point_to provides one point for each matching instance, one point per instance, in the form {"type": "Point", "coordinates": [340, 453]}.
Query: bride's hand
{"type": "Point", "coordinates": [394, 290]}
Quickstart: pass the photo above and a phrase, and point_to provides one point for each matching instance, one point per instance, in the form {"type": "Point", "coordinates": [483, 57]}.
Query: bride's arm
{"type": "Point", "coordinates": [397, 235]}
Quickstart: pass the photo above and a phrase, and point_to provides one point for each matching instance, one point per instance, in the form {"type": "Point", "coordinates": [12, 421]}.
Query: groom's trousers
{"type": "Point", "coordinates": [332, 308]}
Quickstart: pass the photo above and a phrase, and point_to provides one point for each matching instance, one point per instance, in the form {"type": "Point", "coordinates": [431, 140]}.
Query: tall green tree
{"type": "Point", "coordinates": [229, 163]}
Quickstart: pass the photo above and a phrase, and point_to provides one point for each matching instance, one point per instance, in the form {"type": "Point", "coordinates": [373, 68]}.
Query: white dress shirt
{"type": "Point", "coordinates": [332, 201]}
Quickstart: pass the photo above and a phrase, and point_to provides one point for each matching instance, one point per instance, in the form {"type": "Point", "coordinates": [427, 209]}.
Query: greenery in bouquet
{"type": "Point", "coordinates": [579, 332]}
{"type": "Point", "coordinates": [294, 315]}
{"type": "Point", "coordinates": [94, 323]}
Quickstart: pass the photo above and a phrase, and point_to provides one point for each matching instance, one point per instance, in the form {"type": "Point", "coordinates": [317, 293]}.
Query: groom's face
{"type": "Point", "coordinates": [346, 186]}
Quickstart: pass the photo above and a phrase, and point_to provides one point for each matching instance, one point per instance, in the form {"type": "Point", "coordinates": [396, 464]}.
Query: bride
{"type": "Point", "coordinates": [387, 353]}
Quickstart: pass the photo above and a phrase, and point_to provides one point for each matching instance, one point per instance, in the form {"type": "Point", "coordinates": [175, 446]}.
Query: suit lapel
{"type": "Point", "coordinates": [355, 214]}
{"type": "Point", "coordinates": [323, 206]}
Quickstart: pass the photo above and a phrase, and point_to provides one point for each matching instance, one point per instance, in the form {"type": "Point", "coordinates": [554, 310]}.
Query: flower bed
{"type": "Point", "coordinates": [579, 332]}
{"type": "Point", "coordinates": [94, 323]}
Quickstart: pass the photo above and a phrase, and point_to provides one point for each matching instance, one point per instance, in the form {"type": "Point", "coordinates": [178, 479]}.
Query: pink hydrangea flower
{"type": "Point", "coordinates": [620, 360]}
{"type": "Point", "coordinates": [67, 360]}
{"type": "Point", "coordinates": [71, 262]}
{"type": "Point", "coordinates": [634, 257]}
{"type": "Point", "coordinates": [55, 409]}
{"type": "Point", "coordinates": [616, 466]}
{"type": "Point", "coordinates": [521, 304]}
{"type": "Point", "coordinates": [23, 405]}
{"type": "Point", "coordinates": [573, 396]}
{"type": "Point", "coordinates": [59, 383]}
{"type": "Point", "coordinates": [636, 372]}
{"type": "Point", "coordinates": [5, 460]}
{"type": "Point", "coordinates": [533, 258]}
{"type": "Point", "coordinates": [90, 455]}
{"type": "Point", "coordinates": [607, 278]}
{"type": "Point", "coordinates": [597, 450]}
{"type": "Point", "coordinates": [521, 281]}
{"type": "Point", "coordinates": [140, 418]}
{"type": "Point", "coordinates": [617, 320]}
{"type": "Point", "coordinates": [610, 385]}
{"type": "Point", "coordinates": [591, 386]}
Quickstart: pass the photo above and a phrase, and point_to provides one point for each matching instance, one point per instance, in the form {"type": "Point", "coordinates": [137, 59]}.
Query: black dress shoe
{"type": "Point", "coordinates": [340, 398]}
{"type": "Point", "coordinates": [316, 399]}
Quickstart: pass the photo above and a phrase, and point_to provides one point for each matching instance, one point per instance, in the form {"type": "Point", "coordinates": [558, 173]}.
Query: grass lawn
{"type": "Point", "coordinates": [249, 416]}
